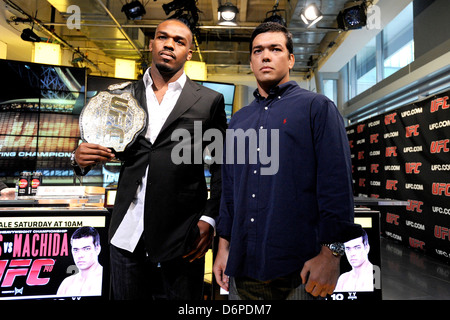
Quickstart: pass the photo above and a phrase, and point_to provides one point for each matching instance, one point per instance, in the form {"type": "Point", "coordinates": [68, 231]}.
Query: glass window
{"type": "Point", "coordinates": [366, 74]}
{"type": "Point", "coordinates": [329, 89]}
{"type": "Point", "coordinates": [398, 42]}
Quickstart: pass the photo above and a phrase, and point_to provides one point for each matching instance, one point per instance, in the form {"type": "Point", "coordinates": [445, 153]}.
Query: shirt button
{"type": "Point", "coordinates": [253, 195]}
{"type": "Point", "coordinates": [265, 108]}
{"type": "Point", "coordinates": [255, 171]}
{"type": "Point", "coordinates": [279, 97]}
{"type": "Point", "coordinates": [261, 127]}
{"type": "Point", "coordinates": [252, 219]}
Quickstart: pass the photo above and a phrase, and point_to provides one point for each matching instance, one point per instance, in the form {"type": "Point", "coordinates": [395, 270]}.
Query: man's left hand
{"type": "Point", "coordinates": [203, 242]}
{"type": "Point", "coordinates": [320, 274]}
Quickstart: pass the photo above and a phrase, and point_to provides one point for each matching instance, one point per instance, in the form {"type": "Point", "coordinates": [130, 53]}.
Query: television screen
{"type": "Point", "coordinates": [227, 89]}
{"type": "Point", "coordinates": [39, 121]}
{"type": "Point", "coordinates": [44, 252]}
{"type": "Point", "coordinates": [39, 110]}
{"type": "Point", "coordinates": [360, 277]}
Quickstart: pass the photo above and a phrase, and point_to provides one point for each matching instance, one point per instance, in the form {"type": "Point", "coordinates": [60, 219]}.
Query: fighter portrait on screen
{"type": "Point", "coordinates": [85, 248]}
{"type": "Point", "coordinates": [360, 278]}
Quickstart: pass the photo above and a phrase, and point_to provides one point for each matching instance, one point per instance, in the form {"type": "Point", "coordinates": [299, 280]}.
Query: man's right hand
{"type": "Point", "coordinates": [220, 264]}
{"type": "Point", "coordinates": [90, 154]}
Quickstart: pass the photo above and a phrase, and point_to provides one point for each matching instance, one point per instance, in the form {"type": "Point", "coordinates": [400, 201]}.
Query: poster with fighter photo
{"type": "Point", "coordinates": [53, 254]}
{"type": "Point", "coordinates": [360, 278]}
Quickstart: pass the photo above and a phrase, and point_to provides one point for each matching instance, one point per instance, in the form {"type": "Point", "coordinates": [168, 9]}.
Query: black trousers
{"type": "Point", "coordinates": [289, 287]}
{"type": "Point", "coordinates": [134, 277]}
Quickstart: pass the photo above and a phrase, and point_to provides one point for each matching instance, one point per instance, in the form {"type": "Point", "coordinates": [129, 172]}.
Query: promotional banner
{"type": "Point", "coordinates": [404, 155]}
{"type": "Point", "coordinates": [53, 254]}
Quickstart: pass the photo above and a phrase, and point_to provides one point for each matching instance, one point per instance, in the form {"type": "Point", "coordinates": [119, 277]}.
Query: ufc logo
{"type": "Point", "coordinates": [392, 218]}
{"type": "Point", "coordinates": [390, 118]}
{"type": "Point", "coordinates": [440, 188]}
{"type": "Point", "coordinates": [360, 155]}
{"type": "Point", "coordinates": [350, 143]}
{"type": "Point", "coordinates": [362, 182]}
{"type": "Point", "coordinates": [374, 168]}
{"type": "Point", "coordinates": [414, 205]}
{"type": "Point", "coordinates": [440, 145]}
{"type": "Point", "coordinates": [374, 138]}
{"type": "Point", "coordinates": [412, 167]}
{"type": "Point", "coordinates": [391, 184]}
{"type": "Point", "coordinates": [360, 128]}
{"type": "Point", "coordinates": [21, 268]}
{"type": "Point", "coordinates": [441, 232]}
{"type": "Point", "coordinates": [391, 151]}
{"type": "Point", "coordinates": [412, 131]}
{"type": "Point", "coordinates": [414, 243]}
{"type": "Point", "coordinates": [439, 102]}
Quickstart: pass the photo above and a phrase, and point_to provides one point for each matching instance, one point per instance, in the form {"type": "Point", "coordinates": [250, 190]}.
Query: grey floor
{"type": "Point", "coordinates": [407, 274]}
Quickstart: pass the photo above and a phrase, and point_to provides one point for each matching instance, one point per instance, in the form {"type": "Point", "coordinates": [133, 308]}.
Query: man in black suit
{"type": "Point", "coordinates": [173, 233]}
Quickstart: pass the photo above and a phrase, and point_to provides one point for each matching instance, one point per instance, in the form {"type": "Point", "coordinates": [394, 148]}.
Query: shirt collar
{"type": "Point", "coordinates": [178, 84]}
{"type": "Point", "coordinates": [280, 90]}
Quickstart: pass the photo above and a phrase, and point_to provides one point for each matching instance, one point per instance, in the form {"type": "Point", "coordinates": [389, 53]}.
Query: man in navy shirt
{"type": "Point", "coordinates": [287, 200]}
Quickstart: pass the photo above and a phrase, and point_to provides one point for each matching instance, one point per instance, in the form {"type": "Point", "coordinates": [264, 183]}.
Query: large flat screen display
{"type": "Point", "coordinates": [59, 254]}
{"type": "Point", "coordinates": [360, 277]}
{"type": "Point", "coordinates": [40, 107]}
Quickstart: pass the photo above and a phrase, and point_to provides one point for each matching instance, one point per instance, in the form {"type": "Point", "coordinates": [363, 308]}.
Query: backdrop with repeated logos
{"type": "Point", "coordinates": [404, 155]}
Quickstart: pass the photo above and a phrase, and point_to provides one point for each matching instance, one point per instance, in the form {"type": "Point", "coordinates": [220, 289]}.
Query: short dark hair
{"type": "Point", "coordinates": [85, 232]}
{"type": "Point", "coordinates": [273, 27]}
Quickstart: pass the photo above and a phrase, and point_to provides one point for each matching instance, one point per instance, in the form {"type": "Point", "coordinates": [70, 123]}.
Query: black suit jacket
{"type": "Point", "coordinates": [176, 195]}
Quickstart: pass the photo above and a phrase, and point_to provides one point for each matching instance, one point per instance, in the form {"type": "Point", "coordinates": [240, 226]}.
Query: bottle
{"type": "Point", "coordinates": [24, 184]}
{"type": "Point", "coordinates": [36, 181]}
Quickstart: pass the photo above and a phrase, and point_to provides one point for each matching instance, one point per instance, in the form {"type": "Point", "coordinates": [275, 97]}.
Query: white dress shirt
{"type": "Point", "coordinates": [132, 226]}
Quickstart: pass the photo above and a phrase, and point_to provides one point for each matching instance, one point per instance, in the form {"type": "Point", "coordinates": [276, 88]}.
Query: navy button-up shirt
{"type": "Point", "coordinates": [276, 216]}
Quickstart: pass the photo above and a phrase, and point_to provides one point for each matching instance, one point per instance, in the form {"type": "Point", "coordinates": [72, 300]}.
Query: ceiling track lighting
{"type": "Point", "coordinates": [275, 15]}
{"type": "Point", "coordinates": [185, 11]}
{"type": "Point", "coordinates": [29, 35]}
{"type": "Point", "coordinates": [134, 10]}
{"type": "Point", "coordinates": [354, 17]}
{"type": "Point", "coordinates": [227, 14]}
{"type": "Point", "coordinates": [310, 15]}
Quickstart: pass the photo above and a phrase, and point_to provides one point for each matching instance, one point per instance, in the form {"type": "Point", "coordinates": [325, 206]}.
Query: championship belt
{"type": "Point", "coordinates": [112, 120]}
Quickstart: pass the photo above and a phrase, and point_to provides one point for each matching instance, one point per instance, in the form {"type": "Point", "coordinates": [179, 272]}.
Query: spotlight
{"type": "Point", "coordinates": [275, 17]}
{"type": "Point", "coordinates": [353, 17]}
{"type": "Point", "coordinates": [29, 35]}
{"type": "Point", "coordinates": [311, 15]}
{"type": "Point", "coordinates": [134, 10]}
{"type": "Point", "coordinates": [227, 14]}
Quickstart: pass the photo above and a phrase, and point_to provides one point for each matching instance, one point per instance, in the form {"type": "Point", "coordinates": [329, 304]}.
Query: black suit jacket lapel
{"type": "Point", "coordinates": [141, 96]}
{"type": "Point", "coordinates": [188, 97]}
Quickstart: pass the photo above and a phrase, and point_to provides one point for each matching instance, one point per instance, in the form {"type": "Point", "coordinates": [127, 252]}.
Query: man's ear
{"type": "Point", "coordinates": [291, 61]}
{"type": "Point", "coordinates": [150, 45]}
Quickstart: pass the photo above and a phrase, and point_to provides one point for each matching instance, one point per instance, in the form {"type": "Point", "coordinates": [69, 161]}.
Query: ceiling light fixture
{"type": "Point", "coordinates": [185, 11]}
{"type": "Point", "coordinates": [134, 10]}
{"type": "Point", "coordinates": [354, 17]}
{"type": "Point", "coordinates": [227, 14]}
{"type": "Point", "coordinates": [276, 16]}
{"type": "Point", "coordinates": [29, 35]}
{"type": "Point", "coordinates": [311, 15]}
